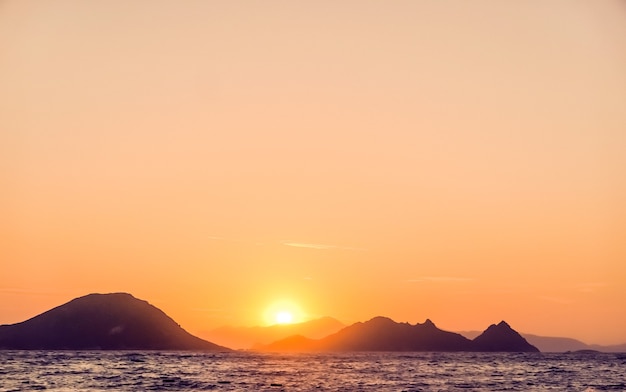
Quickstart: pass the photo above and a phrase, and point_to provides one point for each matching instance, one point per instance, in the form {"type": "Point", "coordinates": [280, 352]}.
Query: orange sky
{"type": "Point", "coordinates": [461, 161]}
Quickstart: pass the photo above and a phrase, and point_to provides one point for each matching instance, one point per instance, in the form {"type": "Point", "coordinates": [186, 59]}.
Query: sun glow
{"type": "Point", "coordinates": [284, 312]}
{"type": "Point", "coordinates": [284, 317]}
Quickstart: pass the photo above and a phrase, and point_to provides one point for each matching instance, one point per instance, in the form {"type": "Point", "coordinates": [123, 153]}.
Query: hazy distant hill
{"type": "Point", "coordinates": [251, 337]}
{"type": "Point", "coordinates": [549, 344]}
{"type": "Point", "coordinates": [555, 344]}
{"type": "Point", "coordinates": [615, 348]}
{"type": "Point", "coordinates": [384, 334]}
{"type": "Point", "coordinates": [116, 321]}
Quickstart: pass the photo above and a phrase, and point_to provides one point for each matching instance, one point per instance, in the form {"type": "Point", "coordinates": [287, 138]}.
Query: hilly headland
{"type": "Point", "coordinates": [116, 321]}
{"type": "Point", "coordinates": [384, 334]}
{"type": "Point", "coordinates": [119, 321]}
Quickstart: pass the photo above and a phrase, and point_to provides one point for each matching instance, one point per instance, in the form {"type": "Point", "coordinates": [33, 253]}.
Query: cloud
{"type": "Point", "coordinates": [23, 291]}
{"type": "Point", "coordinates": [209, 310]}
{"type": "Point", "coordinates": [232, 240]}
{"type": "Point", "coordinates": [440, 279]}
{"type": "Point", "coordinates": [312, 246]}
{"type": "Point", "coordinates": [561, 301]}
{"type": "Point", "coordinates": [219, 238]}
{"type": "Point", "coordinates": [318, 246]}
{"type": "Point", "coordinates": [590, 287]}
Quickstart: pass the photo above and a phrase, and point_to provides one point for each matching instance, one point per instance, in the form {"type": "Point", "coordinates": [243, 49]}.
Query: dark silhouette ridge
{"type": "Point", "coordinates": [501, 337]}
{"type": "Point", "coordinates": [254, 337]}
{"type": "Point", "coordinates": [115, 321]}
{"type": "Point", "coordinates": [555, 344]}
{"type": "Point", "coordinates": [384, 334]}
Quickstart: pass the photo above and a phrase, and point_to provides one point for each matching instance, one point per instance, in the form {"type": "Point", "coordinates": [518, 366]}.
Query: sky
{"type": "Point", "coordinates": [444, 159]}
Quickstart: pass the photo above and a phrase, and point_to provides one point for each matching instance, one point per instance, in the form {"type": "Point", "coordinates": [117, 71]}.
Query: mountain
{"type": "Point", "coordinates": [501, 337]}
{"type": "Point", "coordinates": [550, 344]}
{"type": "Point", "coordinates": [614, 348]}
{"type": "Point", "coordinates": [384, 334]}
{"type": "Point", "coordinates": [252, 337]}
{"type": "Point", "coordinates": [115, 321]}
{"type": "Point", "coordinates": [555, 344]}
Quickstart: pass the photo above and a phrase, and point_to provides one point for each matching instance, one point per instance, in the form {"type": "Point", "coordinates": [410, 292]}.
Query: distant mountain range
{"type": "Point", "coordinates": [115, 321]}
{"type": "Point", "coordinates": [384, 334]}
{"type": "Point", "coordinates": [119, 321]}
{"type": "Point", "coordinates": [259, 337]}
{"type": "Point", "coordinates": [256, 337]}
{"type": "Point", "coordinates": [549, 344]}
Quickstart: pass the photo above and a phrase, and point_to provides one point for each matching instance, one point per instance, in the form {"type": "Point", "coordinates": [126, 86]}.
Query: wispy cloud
{"type": "Point", "coordinates": [28, 291]}
{"type": "Point", "coordinates": [319, 246]}
{"type": "Point", "coordinates": [209, 310]}
{"type": "Point", "coordinates": [558, 300]}
{"type": "Point", "coordinates": [295, 244]}
{"type": "Point", "coordinates": [304, 245]}
{"type": "Point", "coordinates": [440, 279]}
{"type": "Point", "coordinates": [590, 287]}
{"type": "Point", "coordinates": [224, 239]}
{"type": "Point", "coordinates": [233, 240]}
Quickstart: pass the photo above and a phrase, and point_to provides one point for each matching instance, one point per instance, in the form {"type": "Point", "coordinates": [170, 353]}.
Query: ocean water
{"type": "Point", "coordinates": [240, 371]}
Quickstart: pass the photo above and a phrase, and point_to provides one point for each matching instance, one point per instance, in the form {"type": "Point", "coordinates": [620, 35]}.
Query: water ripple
{"type": "Point", "coordinates": [240, 371]}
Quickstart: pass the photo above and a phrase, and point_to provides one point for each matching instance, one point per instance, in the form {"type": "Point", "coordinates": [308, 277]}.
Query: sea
{"type": "Point", "coordinates": [246, 371]}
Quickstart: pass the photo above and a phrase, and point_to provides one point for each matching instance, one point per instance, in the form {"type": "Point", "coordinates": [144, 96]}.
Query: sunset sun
{"type": "Point", "coordinates": [284, 312]}
{"type": "Point", "coordinates": [284, 317]}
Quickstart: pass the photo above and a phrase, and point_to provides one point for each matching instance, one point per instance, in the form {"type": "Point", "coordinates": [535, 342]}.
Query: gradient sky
{"type": "Point", "coordinates": [454, 160]}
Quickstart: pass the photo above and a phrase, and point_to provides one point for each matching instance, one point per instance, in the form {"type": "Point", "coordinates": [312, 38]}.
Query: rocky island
{"type": "Point", "coordinates": [119, 321]}
{"type": "Point", "coordinates": [116, 321]}
{"type": "Point", "coordinates": [384, 334]}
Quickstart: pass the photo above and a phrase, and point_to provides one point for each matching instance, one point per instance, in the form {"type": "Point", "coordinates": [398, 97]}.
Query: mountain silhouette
{"type": "Point", "coordinates": [384, 334]}
{"type": "Point", "coordinates": [253, 337]}
{"type": "Point", "coordinates": [116, 321]}
{"type": "Point", "coordinates": [501, 337]}
{"type": "Point", "coordinates": [555, 344]}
